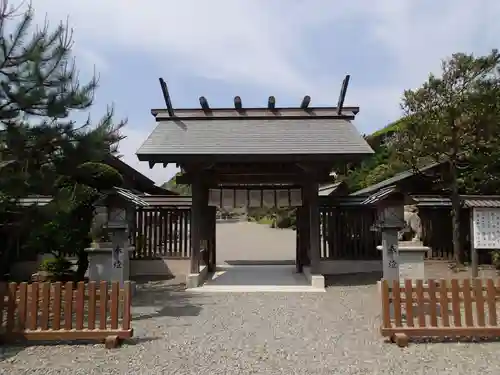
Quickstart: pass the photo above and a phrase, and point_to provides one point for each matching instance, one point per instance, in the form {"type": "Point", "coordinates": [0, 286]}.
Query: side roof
{"type": "Point", "coordinates": [399, 177]}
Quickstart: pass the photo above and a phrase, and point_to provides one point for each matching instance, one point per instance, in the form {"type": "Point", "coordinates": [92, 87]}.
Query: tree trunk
{"type": "Point", "coordinates": [455, 213]}
{"type": "Point", "coordinates": [82, 265]}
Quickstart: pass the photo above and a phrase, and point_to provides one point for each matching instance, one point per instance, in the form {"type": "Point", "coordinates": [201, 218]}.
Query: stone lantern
{"type": "Point", "coordinates": [401, 259]}
{"type": "Point", "coordinates": [109, 260]}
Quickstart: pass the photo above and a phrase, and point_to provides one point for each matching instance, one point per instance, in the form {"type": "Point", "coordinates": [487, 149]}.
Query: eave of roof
{"type": "Point", "coordinates": [399, 177]}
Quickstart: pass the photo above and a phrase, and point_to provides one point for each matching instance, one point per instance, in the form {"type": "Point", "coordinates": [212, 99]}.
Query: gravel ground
{"type": "Point", "coordinates": [336, 332]}
{"type": "Point", "coordinates": [329, 333]}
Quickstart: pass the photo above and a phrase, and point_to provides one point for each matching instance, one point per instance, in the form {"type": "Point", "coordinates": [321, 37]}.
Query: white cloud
{"type": "Point", "coordinates": [259, 42]}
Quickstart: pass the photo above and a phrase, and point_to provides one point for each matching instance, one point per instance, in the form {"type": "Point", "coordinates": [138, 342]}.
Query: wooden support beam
{"type": "Point", "coordinates": [238, 103]}
{"type": "Point", "coordinates": [343, 92]}
{"type": "Point", "coordinates": [310, 195]}
{"type": "Point", "coordinates": [305, 102]}
{"type": "Point", "coordinates": [166, 97]}
{"type": "Point", "coordinates": [204, 103]}
{"type": "Point", "coordinates": [198, 207]}
{"type": "Point", "coordinates": [271, 103]}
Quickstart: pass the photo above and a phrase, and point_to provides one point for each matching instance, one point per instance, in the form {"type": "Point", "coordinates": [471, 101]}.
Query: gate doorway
{"type": "Point", "coordinates": [252, 254]}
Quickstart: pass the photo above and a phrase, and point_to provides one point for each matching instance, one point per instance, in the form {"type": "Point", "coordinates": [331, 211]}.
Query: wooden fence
{"type": "Point", "coordinates": [418, 310]}
{"type": "Point", "coordinates": [346, 233]}
{"type": "Point", "coordinates": [162, 232]}
{"type": "Point", "coordinates": [57, 311]}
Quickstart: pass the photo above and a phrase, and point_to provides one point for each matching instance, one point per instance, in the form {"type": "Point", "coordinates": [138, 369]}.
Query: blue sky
{"type": "Point", "coordinates": [257, 48]}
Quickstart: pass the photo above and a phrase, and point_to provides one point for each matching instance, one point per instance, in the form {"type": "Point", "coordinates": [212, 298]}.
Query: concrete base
{"type": "Point", "coordinates": [195, 280]}
{"type": "Point", "coordinates": [159, 268]}
{"type": "Point", "coordinates": [258, 278]}
{"type": "Point", "coordinates": [316, 281]}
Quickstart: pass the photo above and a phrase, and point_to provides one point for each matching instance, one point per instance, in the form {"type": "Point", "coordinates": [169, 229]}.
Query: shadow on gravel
{"type": "Point", "coordinates": [355, 279]}
{"type": "Point", "coordinates": [167, 299]}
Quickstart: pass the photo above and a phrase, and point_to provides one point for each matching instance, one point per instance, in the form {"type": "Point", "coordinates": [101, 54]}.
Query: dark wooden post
{"type": "Point", "coordinates": [310, 193]}
{"type": "Point", "coordinates": [213, 244]}
{"type": "Point", "coordinates": [198, 209]}
{"type": "Point", "coordinates": [298, 247]}
{"type": "Point", "coordinates": [304, 231]}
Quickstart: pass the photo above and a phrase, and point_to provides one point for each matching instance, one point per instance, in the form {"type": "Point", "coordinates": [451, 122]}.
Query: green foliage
{"type": "Point", "coordinates": [99, 176]}
{"type": "Point", "coordinates": [177, 188]}
{"type": "Point", "coordinates": [380, 166]}
{"type": "Point", "coordinates": [274, 217]}
{"type": "Point", "coordinates": [57, 266]}
{"type": "Point", "coordinates": [41, 144]}
{"type": "Point", "coordinates": [495, 258]}
{"type": "Point", "coordinates": [455, 117]}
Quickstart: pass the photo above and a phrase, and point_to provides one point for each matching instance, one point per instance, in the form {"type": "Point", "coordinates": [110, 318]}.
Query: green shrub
{"type": "Point", "coordinates": [98, 175]}
{"type": "Point", "coordinates": [495, 258]}
{"type": "Point", "coordinates": [57, 266]}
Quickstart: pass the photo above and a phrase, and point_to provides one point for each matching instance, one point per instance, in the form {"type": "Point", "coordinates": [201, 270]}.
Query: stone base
{"type": "Point", "coordinates": [101, 265]}
{"type": "Point", "coordinates": [316, 281]}
{"type": "Point", "coordinates": [195, 280]}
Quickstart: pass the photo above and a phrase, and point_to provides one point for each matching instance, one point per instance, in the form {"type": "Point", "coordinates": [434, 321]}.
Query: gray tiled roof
{"type": "Point", "coordinates": [242, 136]}
{"type": "Point", "coordinates": [393, 180]}
{"type": "Point", "coordinates": [485, 201]}
{"type": "Point", "coordinates": [326, 190]}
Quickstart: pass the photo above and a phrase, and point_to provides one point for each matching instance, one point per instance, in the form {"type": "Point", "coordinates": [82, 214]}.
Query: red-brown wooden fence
{"type": "Point", "coordinates": [65, 311]}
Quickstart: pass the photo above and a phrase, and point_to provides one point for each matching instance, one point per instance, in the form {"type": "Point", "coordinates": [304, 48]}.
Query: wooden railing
{"type": "Point", "coordinates": [69, 311]}
{"type": "Point", "coordinates": [444, 308]}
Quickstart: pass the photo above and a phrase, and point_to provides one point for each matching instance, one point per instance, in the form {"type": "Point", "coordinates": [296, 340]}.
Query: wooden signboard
{"type": "Point", "coordinates": [486, 228]}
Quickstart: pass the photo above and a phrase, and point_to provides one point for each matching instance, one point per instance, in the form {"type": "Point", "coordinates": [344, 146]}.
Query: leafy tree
{"type": "Point", "coordinates": [39, 139]}
{"type": "Point", "coordinates": [456, 117]}
{"type": "Point", "coordinates": [172, 185]}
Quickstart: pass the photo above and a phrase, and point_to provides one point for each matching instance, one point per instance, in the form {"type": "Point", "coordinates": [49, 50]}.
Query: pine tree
{"type": "Point", "coordinates": [40, 89]}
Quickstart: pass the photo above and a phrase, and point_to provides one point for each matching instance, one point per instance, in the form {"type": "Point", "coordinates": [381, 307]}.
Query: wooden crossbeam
{"type": "Point", "coordinates": [271, 103]}
{"type": "Point", "coordinates": [305, 102]}
{"type": "Point", "coordinates": [166, 97]}
{"type": "Point", "coordinates": [237, 103]}
{"type": "Point", "coordinates": [204, 103]}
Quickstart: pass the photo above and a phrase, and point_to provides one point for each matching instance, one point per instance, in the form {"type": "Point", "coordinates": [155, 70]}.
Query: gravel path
{"type": "Point", "coordinates": [246, 242]}
{"type": "Point", "coordinates": [181, 333]}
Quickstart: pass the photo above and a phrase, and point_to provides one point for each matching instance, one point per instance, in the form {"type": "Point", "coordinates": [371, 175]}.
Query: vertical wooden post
{"type": "Point", "coordinates": [212, 239]}
{"type": "Point", "coordinates": [473, 250]}
{"type": "Point", "coordinates": [196, 223]}
{"type": "Point", "coordinates": [311, 192]}
{"type": "Point", "coordinates": [199, 207]}
{"type": "Point", "coordinates": [304, 231]}
{"type": "Point", "coordinates": [298, 246]}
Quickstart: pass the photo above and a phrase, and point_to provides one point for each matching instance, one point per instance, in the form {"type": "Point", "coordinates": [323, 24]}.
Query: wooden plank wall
{"type": "Point", "coordinates": [162, 232]}
{"type": "Point", "coordinates": [346, 234]}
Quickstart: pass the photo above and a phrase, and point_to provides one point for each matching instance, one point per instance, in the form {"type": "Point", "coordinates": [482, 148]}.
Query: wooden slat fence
{"type": "Point", "coordinates": [444, 308]}
{"type": "Point", "coordinates": [162, 232]}
{"type": "Point", "coordinates": [346, 233]}
{"type": "Point", "coordinates": [65, 311]}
